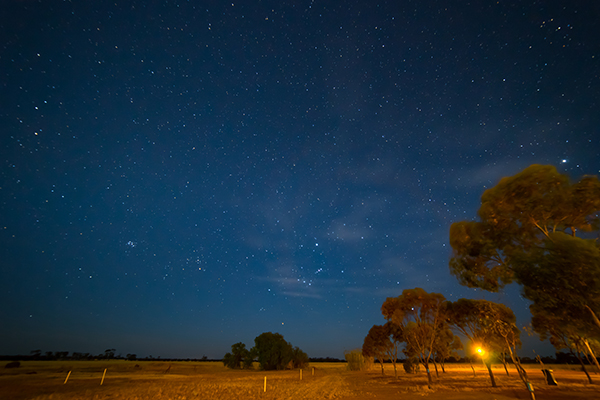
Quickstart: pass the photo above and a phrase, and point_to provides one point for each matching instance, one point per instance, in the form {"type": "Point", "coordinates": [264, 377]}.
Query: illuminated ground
{"type": "Point", "coordinates": [202, 380]}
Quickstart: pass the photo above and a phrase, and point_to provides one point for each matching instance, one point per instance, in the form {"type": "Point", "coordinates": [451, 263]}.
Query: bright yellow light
{"type": "Point", "coordinates": [480, 351]}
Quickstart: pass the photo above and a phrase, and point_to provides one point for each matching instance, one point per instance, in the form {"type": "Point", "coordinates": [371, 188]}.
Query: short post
{"type": "Point", "coordinates": [300, 373]}
{"type": "Point", "coordinates": [103, 375]}
{"type": "Point", "coordinates": [67, 378]}
{"type": "Point", "coordinates": [265, 389]}
{"type": "Point", "coordinates": [530, 387]}
{"type": "Point", "coordinates": [313, 371]}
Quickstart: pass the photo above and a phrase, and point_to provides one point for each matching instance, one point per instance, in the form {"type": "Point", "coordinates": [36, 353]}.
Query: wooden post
{"type": "Point", "coordinates": [67, 378]}
{"type": "Point", "coordinates": [300, 374]}
{"type": "Point", "coordinates": [265, 384]}
{"type": "Point", "coordinates": [103, 375]}
{"type": "Point", "coordinates": [313, 371]}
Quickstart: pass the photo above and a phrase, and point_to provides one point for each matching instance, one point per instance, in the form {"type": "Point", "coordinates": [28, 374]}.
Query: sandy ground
{"type": "Point", "coordinates": [206, 380]}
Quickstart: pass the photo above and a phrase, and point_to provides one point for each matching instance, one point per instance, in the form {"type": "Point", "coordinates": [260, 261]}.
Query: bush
{"type": "Point", "coordinates": [299, 358]}
{"type": "Point", "coordinates": [356, 360]}
{"type": "Point", "coordinates": [411, 366]}
{"type": "Point", "coordinates": [13, 364]}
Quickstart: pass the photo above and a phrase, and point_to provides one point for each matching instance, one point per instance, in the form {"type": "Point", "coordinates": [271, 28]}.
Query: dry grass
{"type": "Point", "coordinates": [184, 380]}
{"type": "Point", "coordinates": [43, 380]}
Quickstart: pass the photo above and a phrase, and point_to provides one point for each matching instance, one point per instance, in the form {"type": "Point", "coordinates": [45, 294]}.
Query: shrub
{"type": "Point", "coordinates": [299, 358]}
{"type": "Point", "coordinates": [13, 364]}
{"type": "Point", "coordinates": [411, 366]}
{"type": "Point", "coordinates": [356, 360]}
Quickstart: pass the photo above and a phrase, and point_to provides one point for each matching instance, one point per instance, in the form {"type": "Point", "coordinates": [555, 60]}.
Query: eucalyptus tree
{"type": "Point", "coordinates": [420, 316]}
{"type": "Point", "coordinates": [377, 344]}
{"type": "Point", "coordinates": [384, 342]}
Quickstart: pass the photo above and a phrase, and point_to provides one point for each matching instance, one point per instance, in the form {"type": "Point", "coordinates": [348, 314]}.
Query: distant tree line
{"type": "Point", "coordinates": [325, 359]}
{"type": "Point", "coordinates": [559, 358]}
{"type": "Point", "coordinates": [108, 354]}
{"type": "Point", "coordinates": [270, 350]}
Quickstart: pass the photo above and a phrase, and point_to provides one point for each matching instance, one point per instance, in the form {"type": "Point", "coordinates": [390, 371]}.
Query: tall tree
{"type": "Point", "coordinates": [521, 220]}
{"type": "Point", "coordinates": [420, 315]}
{"type": "Point", "coordinates": [384, 341]}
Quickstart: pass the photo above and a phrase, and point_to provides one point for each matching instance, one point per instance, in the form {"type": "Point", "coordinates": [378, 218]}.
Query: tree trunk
{"type": "Point", "coordinates": [437, 374]}
{"type": "Point", "coordinates": [504, 363]}
{"type": "Point", "coordinates": [587, 357]}
{"type": "Point", "coordinates": [443, 369]}
{"type": "Point", "coordinates": [539, 359]}
{"type": "Point", "coordinates": [594, 317]}
{"type": "Point", "coordinates": [429, 379]}
{"type": "Point", "coordinates": [381, 362]}
{"type": "Point", "coordinates": [471, 362]}
{"type": "Point", "coordinates": [489, 368]}
{"type": "Point", "coordinates": [587, 344]}
{"type": "Point", "coordinates": [583, 366]}
{"type": "Point", "coordinates": [521, 371]}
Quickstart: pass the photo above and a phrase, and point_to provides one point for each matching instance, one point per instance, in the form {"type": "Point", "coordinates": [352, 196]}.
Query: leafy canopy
{"type": "Point", "coordinates": [516, 217]}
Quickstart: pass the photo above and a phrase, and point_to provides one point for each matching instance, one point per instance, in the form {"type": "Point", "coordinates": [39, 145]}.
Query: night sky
{"type": "Point", "coordinates": [179, 176]}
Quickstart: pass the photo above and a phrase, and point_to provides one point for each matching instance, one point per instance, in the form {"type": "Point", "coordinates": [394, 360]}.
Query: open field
{"type": "Point", "coordinates": [42, 380]}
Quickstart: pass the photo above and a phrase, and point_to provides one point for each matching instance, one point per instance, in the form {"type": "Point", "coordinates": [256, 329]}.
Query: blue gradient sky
{"type": "Point", "coordinates": [178, 176]}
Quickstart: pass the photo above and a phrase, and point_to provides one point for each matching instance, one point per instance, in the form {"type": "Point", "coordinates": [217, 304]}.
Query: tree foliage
{"type": "Point", "coordinates": [446, 345]}
{"type": "Point", "coordinates": [299, 358]}
{"type": "Point", "coordinates": [515, 217]}
{"type": "Point", "coordinates": [273, 352]}
{"type": "Point", "coordinates": [239, 356]}
{"type": "Point", "coordinates": [562, 277]}
{"type": "Point", "coordinates": [528, 233]}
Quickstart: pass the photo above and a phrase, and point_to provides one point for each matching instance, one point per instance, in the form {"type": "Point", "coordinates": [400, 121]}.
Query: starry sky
{"type": "Point", "coordinates": [179, 176]}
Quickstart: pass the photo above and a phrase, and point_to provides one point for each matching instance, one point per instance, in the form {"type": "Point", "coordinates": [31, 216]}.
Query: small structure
{"type": "Point", "coordinates": [549, 377]}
